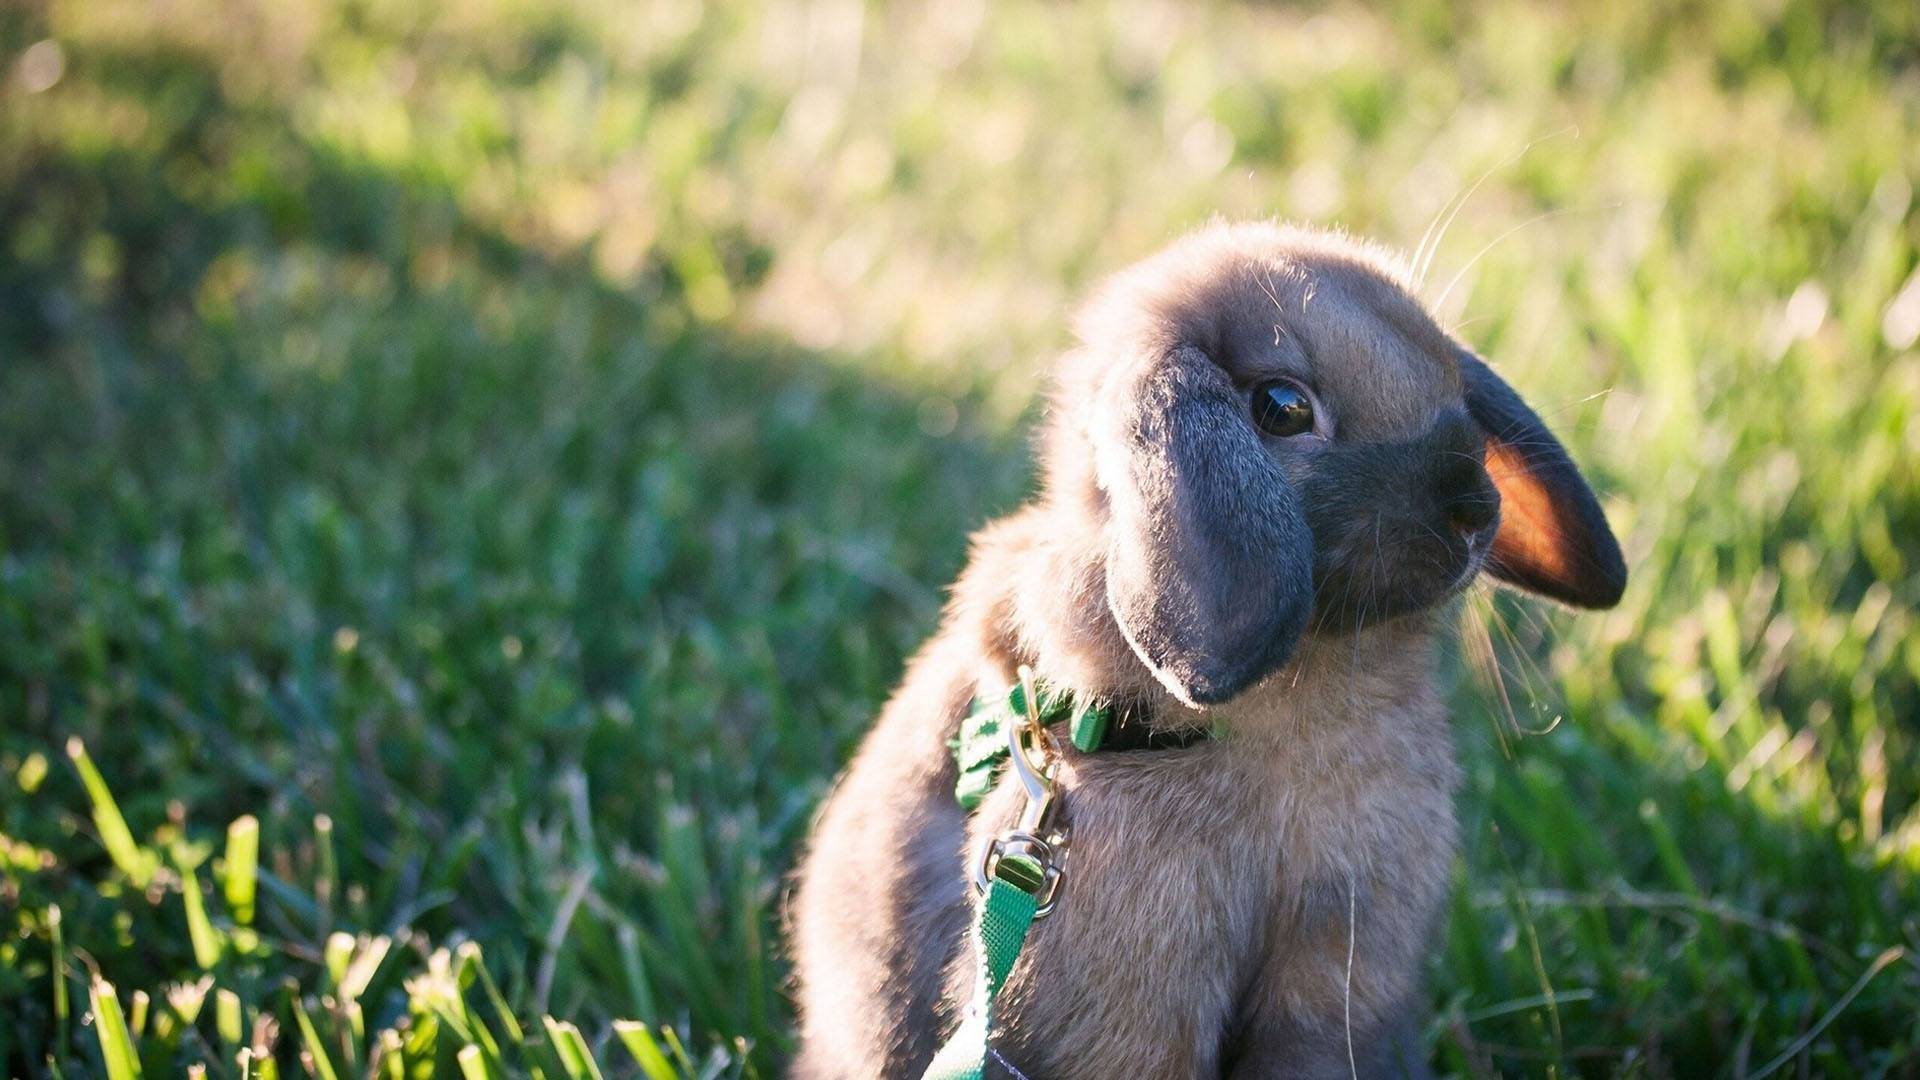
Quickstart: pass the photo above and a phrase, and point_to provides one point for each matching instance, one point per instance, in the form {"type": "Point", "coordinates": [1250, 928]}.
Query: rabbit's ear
{"type": "Point", "coordinates": [1553, 539]}
{"type": "Point", "coordinates": [1210, 562]}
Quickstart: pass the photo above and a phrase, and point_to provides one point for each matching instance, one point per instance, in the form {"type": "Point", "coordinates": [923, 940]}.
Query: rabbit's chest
{"type": "Point", "coordinates": [1189, 874]}
{"type": "Point", "coordinates": [1240, 827]}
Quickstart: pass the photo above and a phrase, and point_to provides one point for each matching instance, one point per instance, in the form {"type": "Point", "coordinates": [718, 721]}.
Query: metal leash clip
{"type": "Point", "coordinates": [1032, 855]}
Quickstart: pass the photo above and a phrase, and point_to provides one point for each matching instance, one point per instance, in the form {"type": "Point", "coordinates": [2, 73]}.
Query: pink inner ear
{"type": "Point", "coordinates": [1536, 540]}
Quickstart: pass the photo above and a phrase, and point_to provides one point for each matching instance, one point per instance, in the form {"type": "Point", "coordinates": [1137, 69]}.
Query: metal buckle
{"type": "Point", "coordinates": [1032, 836]}
{"type": "Point", "coordinates": [1050, 853]}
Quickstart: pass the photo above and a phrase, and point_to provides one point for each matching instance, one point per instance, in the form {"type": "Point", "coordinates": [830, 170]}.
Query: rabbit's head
{"type": "Point", "coordinates": [1272, 438]}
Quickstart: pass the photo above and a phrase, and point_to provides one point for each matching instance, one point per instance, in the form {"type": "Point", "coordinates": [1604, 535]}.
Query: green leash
{"type": "Point", "coordinates": [1017, 873]}
{"type": "Point", "coordinates": [1000, 930]}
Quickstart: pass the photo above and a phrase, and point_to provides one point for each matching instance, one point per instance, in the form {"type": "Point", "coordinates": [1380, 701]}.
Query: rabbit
{"type": "Point", "coordinates": [1265, 472]}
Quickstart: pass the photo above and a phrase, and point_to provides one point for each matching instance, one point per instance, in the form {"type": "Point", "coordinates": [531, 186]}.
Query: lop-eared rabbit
{"type": "Point", "coordinates": [1266, 472]}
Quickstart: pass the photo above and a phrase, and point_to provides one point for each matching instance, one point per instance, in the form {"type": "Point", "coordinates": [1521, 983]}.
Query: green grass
{"type": "Point", "coordinates": [469, 473]}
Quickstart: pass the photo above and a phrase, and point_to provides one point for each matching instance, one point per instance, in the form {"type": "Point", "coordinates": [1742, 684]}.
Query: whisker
{"type": "Point", "coordinates": [1441, 303]}
{"type": "Point", "coordinates": [1576, 403]}
{"type": "Point", "coordinates": [1530, 672]}
{"type": "Point", "coordinates": [1487, 664]}
{"type": "Point", "coordinates": [1424, 257]}
{"type": "Point", "coordinates": [1353, 914]}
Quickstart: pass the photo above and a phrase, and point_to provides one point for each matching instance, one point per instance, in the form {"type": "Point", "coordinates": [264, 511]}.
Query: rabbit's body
{"type": "Point", "coordinates": [1204, 914]}
{"type": "Point", "coordinates": [1257, 904]}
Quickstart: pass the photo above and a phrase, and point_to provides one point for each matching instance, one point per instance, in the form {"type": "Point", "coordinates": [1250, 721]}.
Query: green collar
{"type": "Point", "coordinates": [1091, 725]}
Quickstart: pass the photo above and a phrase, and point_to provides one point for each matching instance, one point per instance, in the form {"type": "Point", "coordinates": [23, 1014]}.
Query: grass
{"type": "Point", "coordinates": [468, 474]}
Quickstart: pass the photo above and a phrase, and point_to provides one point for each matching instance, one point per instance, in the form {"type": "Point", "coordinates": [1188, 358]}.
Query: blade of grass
{"type": "Point", "coordinates": [354, 1036]}
{"type": "Point", "coordinates": [242, 867]}
{"type": "Point", "coordinates": [470, 955]}
{"type": "Point", "coordinates": [315, 1047]}
{"type": "Point", "coordinates": [200, 931]}
{"type": "Point", "coordinates": [61, 1008]}
{"type": "Point", "coordinates": [367, 958]}
{"type": "Point", "coordinates": [443, 994]}
{"type": "Point", "coordinates": [420, 1042]}
{"type": "Point", "coordinates": [677, 1048]}
{"type": "Point", "coordinates": [575, 1058]}
{"type": "Point", "coordinates": [326, 872]}
{"type": "Point", "coordinates": [336, 955]}
{"type": "Point", "coordinates": [135, 862]}
{"type": "Point", "coordinates": [639, 1041]}
{"type": "Point", "coordinates": [116, 1045]}
{"type": "Point", "coordinates": [227, 1019]}
{"type": "Point", "coordinates": [1879, 964]}
{"type": "Point", "coordinates": [390, 1060]}
{"type": "Point", "coordinates": [635, 971]}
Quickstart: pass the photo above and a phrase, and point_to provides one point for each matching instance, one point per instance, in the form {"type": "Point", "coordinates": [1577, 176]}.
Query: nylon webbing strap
{"type": "Point", "coordinates": [982, 746]}
{"type": "Point", "coordinates": [1001, 922]}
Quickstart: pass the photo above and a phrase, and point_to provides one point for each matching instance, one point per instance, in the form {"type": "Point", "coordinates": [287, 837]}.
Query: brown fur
{"type": "Point", "coordinates": [1203, 928]}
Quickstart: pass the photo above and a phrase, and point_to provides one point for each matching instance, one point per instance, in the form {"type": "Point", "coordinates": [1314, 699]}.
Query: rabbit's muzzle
{"type": "Point", "coordinates": [1398, 526]}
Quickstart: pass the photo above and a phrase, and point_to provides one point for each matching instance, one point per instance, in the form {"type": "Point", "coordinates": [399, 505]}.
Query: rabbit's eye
{"type": "Point", "coordinates": [1282, 409]}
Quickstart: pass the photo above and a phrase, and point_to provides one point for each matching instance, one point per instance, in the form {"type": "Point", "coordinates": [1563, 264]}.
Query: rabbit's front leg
{"type": "Point", "coordinates": [1288, 1049]}
{"type": "Point", "coordinates": [1340, 992]}
{"type": "Point", "coordinates": [881, 905]}
{"type": "Point", "coordinates": [881, 911]}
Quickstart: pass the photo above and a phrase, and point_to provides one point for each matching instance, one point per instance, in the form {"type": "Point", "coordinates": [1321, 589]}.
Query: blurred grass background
{"type": "Point", "coordinates": [496, 456]}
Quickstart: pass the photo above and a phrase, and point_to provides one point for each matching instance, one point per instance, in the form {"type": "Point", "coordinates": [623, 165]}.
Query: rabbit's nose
{"type": "Point", "coordinates": [1472, 510]}
{"type": "Point", "coordinates": [1468, 500]}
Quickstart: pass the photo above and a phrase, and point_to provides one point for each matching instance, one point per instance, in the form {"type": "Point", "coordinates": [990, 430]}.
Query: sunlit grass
{"type": "Point", "coordinates": [468, 475]}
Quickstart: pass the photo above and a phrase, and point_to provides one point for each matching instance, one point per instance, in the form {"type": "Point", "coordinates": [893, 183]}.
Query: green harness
{"type": "Point", "coordinates": [982, 747]}
{"type": "Point", "coordinates": [1017, 873]}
